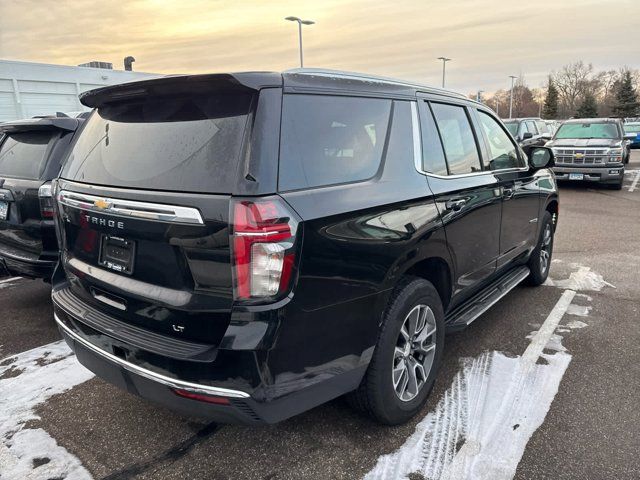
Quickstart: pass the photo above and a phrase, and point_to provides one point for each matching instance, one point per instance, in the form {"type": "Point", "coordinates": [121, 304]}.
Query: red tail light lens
{"type": "Point", "coordinates": [46, 200]}
{"type": "Point", "coordinates": [263, 240]}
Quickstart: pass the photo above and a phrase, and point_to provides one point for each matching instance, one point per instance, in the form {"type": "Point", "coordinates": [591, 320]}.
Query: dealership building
{"type": "Point", "coordinates": [28, 89]}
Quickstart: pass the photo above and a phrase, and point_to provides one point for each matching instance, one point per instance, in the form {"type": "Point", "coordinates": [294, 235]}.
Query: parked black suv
{"type": "Point", "coordinates": [31, 152]}
{"type": "Point", "coordinates": [591, 150]}
{"type": "Point", "coordinates": [532, 131]}
{"type": "Point", "coordinates": [248, 246]}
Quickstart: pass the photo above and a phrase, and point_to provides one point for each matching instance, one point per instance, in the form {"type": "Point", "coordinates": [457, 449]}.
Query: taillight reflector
{"type": "Point", "coordinates": [201, 397]}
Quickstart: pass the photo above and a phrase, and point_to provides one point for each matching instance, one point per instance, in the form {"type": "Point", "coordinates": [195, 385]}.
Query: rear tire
{"type": "Point", "coordinates": [540, 261]}
{"type": "Point", "coordinates": [406, 360]}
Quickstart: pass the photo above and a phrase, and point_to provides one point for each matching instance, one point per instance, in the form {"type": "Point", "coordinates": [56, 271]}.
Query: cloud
{"type": "Point", "coordinates": [487, 39]}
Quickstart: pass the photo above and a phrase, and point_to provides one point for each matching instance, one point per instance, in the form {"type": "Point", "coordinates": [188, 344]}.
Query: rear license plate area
{"type": "Point", "coordinates": [117, 253]}
{"type": "Point", "coordinates": [4, 210]}
{"type": "Point", "coordinates": [576, 176]}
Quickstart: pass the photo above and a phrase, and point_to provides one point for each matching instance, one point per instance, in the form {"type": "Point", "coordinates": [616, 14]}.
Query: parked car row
{"type": "Point", "coordinates": [247, 246]}
{"type": "Point", "coordinates": [31, 155]}
{"type": "Point", "coordinates": [529, 131]}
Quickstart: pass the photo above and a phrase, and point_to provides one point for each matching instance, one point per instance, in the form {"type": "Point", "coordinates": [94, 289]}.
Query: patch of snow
{"type": "Point", "coordinates": [579, 310]}
{"type": "Point", "coordinates": [576, 324]}
{"type": "Point", "coordinates": [43, 372]}
{"type": "Point", "coordinates": [583, 279]}
{"type": "Point", "coordinates": [481, 426]}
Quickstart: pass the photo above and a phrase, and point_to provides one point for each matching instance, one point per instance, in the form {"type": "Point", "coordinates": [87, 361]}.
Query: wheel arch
{"type": "Point", "coordinates": [438, 272]}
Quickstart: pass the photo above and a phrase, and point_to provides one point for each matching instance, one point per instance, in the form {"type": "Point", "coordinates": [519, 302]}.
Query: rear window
{"type": "Point", "coordinates": [183, 144]}
{"type": "Point", "coordinates": [328, 140]}
{"type": "Point", "coordinates": [23, 155]}
{"type": "Point", "coordinates": [588, 130]}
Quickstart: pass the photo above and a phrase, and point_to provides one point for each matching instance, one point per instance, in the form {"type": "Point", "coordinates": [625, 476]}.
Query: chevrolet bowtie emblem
{"type": "Point", "coordinates": [579, 155]}
{"type": "Point", "coordinates": [101, 204]}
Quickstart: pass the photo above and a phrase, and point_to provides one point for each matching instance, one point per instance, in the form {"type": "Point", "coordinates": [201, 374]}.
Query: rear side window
{"type": "Point", "coordinates": [23, 155]}
{"type": "Point", "coordinates": [433, 160]}
{"type": "Point", "coordinates": [457, 138]}
{"type": "Point", "coordinates": [190, 144]}
{"type": "Point", "coordinates": [327, 140]}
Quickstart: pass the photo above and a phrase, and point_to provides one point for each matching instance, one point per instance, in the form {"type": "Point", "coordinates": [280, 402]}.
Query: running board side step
{"type": "Point", "coordinates": [466, 313]}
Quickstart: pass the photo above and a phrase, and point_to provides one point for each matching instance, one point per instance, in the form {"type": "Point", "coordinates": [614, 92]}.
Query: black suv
{"type": "Point", "coordinates": [248, 246]}
{"type": "Point", "coordinates": [529, 132]}
{"type": "Point", "coordinates": [31, 153]}
{"type": "Point", "coordinates": [591, 150]}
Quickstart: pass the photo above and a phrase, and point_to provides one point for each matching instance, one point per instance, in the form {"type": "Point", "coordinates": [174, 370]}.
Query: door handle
{"type": "Point", "coordinates": [507, 193]}
{"type": "Point", "coordinates": [455, 204]}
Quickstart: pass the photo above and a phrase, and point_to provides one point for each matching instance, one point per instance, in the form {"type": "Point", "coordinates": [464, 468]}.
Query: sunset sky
{"type": "Point", "coordinates": [487, 39]}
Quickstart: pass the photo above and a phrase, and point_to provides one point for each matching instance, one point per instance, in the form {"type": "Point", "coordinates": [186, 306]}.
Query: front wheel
{"type": "Point", "coordinates": [540, 260]}
{"type": "Point", "coordinates": [407, 356]}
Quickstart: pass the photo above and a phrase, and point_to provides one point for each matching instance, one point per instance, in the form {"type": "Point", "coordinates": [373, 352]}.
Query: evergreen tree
{"type": "Point", "coordinates": [627, 104]}
{"type": "Point", "coordinates": [550, 110]}
{"type": "Point", "coordinates": [589, 107]}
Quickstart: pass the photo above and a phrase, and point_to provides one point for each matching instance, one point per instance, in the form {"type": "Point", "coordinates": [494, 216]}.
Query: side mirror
{"type": "Point", "coordinates": [527, 135]}
{"type": "Point", "coordinates": [540, 157]}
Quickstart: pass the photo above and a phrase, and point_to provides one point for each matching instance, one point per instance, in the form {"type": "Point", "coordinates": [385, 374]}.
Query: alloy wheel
{"type": "Point", "coordinates": [545, 249]}
{"type": "Point", "coordinates": [414, 352]}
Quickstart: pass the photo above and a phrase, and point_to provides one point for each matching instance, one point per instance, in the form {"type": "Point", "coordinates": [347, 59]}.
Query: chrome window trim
{"type": "Point", "coordinates": [131, 209]}
{"type": "Point", "coordinates": [148, 374]}
{"type": "Point", "coordinates": [417, 154]}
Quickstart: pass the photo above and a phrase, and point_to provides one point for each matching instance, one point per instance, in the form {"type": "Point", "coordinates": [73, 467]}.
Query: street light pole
{"type": "Point", "coordinates": [444, 63]}
{"type": "Point", "coordinates": [300, 23]}
{"type": "Point", "coordinates": [512, 77]}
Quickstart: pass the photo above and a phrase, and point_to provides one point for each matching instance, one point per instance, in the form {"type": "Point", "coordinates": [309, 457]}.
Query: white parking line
{"type": "Point", "coordinates": [493, 407]}
{"type": "Point", "coordinates": [634, 184]}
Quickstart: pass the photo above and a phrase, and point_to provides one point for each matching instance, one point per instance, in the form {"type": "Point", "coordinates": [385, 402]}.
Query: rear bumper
{"type": "Point", "coordinates": [611, 174]}
{"type": "Point", "coordinates": [25, 266]}
{"type": "Point", "coordinates": [230, 377]}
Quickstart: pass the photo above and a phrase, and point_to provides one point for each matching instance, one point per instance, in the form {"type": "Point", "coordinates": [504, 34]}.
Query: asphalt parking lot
{"type": "Point", "coordinates": [570, 413]}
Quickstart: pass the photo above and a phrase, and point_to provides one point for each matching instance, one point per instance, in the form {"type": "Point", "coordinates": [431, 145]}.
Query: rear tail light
{"type": "Point", "coordinates": [46, 200]}
{"type": "Point", "coordinates": [263, 247]}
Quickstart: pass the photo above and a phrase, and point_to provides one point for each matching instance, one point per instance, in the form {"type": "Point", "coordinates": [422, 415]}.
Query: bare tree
{"type": "Point", "coordinates": [572, 82]}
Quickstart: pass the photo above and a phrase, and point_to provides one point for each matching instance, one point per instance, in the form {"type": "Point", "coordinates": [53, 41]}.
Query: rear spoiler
{"type": "Point", "coordinates": [181, 85]}
{"type": "Point", "coordinates": [49, 123]}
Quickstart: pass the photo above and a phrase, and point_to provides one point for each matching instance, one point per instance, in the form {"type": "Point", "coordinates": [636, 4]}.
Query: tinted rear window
{"type": "Point", "coordinates": [329, 140]}
{"type": "Point", "coordinates": [22, 155]}
{"type": "Point", "coordinates": [183, 144]}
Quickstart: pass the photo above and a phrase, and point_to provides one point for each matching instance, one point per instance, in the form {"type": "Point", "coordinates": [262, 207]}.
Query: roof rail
{"type": "Point", "coordinates": [365, 76]}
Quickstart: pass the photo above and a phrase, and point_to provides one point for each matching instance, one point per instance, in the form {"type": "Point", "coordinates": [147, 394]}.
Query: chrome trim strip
{"type": "Point", "coordinates": [476, 174]}
{"type": "Point", "coordinates": [148, 374]}
{"type": "Point", "coordinates": [129, 208]}
{"type": "Point", "coordinates": [417, 141]}
{"type": "Point", "coordinates": [256, 234]}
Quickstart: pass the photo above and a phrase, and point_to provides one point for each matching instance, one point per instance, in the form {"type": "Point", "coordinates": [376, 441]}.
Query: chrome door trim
{"type": "Point", "coordinates": [156, 212]}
